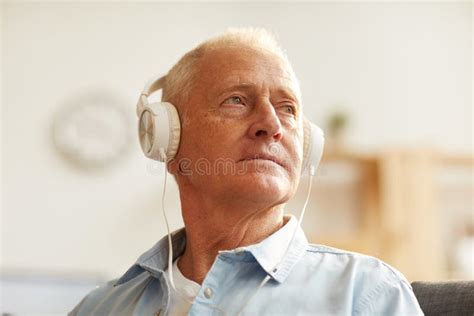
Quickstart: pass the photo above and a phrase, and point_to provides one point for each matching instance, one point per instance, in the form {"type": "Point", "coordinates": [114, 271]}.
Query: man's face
{"type": "Point", "coordinates": [242, 128]}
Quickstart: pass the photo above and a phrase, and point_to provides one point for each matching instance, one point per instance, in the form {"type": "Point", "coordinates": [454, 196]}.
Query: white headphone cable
{"type": "Point", "coordinates": [267, 277]}
{"type": "Point", "coordinates": [170, 243]}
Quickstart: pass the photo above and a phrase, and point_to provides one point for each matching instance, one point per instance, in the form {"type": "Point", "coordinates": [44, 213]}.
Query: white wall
{"type": "Point", "coordinates": [404, 71]}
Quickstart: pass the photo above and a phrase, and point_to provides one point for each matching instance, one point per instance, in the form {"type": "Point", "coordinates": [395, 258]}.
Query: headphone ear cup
{"type": "Point", "coordinates": [313, 146]}
{"type": "Point", "coordinates": [159, 131]}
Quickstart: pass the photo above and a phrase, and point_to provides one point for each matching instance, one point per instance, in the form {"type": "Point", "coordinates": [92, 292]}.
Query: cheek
{"type": "Point", "coordinates": [295, 150]}
{"type": "Point", "coordinates": [205, 138]}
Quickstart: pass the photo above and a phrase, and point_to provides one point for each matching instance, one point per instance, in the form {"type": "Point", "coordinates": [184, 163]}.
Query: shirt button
{"type": "Point", "coordinates": [208, 292]}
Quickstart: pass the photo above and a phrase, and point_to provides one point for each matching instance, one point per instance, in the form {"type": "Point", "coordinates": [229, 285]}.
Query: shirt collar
{"type": "Point", "coordinates": [268, 253]}
{"type": "Point", "coordinates": [155, 260]}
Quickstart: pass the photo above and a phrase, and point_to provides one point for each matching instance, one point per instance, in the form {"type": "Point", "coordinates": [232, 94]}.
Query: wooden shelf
{"type": "Point", "coordinates": [399, 222]}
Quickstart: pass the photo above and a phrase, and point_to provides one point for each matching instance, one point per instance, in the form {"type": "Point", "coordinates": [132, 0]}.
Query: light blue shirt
{"type": "Point", "coordinates": [311, 280]}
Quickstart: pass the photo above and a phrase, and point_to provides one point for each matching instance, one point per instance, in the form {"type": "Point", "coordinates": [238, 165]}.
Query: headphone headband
{"type": "Point", "coordinates": [153, 85]}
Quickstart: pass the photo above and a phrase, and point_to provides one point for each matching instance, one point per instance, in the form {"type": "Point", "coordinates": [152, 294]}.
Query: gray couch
{"type": "Point", "coordinates": [445, 298]}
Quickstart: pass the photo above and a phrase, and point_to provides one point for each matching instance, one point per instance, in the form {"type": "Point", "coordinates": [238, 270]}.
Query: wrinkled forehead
{"type": "Point", "coordinates": [231, 66]}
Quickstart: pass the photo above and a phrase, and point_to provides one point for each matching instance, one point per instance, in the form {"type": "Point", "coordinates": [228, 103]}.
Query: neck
{"type": "Point", "coordinates": [211, 227]}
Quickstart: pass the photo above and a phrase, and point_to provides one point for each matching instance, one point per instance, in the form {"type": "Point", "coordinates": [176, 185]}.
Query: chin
{"type": "Point", "coordinates": [263, 188]}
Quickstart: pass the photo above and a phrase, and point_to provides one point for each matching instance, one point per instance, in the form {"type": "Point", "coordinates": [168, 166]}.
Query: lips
{"type": "Point", "coordinates": [264, 157]}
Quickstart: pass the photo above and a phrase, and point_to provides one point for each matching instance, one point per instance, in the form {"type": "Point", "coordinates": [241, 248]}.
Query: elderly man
{"type": "Point", "coordinates": [238, 99]}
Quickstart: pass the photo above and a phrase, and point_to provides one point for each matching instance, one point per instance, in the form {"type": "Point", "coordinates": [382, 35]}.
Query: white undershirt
{"type": "Point", "coordinates": [179, 306]}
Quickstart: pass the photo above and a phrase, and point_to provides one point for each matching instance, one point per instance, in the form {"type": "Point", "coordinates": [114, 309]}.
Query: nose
{"type": "Point", "coordinates": [267, 124]}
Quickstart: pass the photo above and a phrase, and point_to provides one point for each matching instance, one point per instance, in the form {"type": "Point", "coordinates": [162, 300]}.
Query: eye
{"type": "Point", "coordinates": [289, 109]}
{"type": "Point", "coordinates": [234, 100]}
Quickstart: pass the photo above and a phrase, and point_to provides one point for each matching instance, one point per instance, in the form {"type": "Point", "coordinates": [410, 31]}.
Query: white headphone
{"type": "Point", "coordinates": [159, 130]}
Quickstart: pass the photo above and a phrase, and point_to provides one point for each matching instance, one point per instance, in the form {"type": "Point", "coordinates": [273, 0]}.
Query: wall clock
{"type": "Point", "coordinates": [93, 130]}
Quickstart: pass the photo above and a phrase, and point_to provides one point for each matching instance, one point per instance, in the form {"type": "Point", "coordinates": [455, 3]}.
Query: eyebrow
{"type": "Point", "coordinates": [242, 86]}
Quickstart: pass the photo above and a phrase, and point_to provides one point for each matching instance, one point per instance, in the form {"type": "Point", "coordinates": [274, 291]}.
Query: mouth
{"type": "Point", "coordinates": [264, 157]}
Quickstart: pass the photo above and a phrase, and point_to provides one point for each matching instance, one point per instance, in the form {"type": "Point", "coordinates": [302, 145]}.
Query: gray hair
{"type": "Point", "coordinates": [180, 79]}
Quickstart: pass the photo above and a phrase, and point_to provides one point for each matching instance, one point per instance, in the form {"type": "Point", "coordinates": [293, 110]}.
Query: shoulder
{"type": "Point", "coordinates": [377, 287]}
{"type": "Point", "coordinates": [113, 298]}
{"type": "Point", "coordinates": [87, 305]}
{"type": "Point", "coordinates": [362, 263]}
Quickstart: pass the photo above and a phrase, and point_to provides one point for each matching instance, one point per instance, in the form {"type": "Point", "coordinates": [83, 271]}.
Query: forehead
{"type": "Point", "coordinates": [237, 65]}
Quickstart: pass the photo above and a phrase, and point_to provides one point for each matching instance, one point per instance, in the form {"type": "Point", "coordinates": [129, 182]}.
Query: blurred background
{"type": "Point", "coordinates": [389, 82]}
